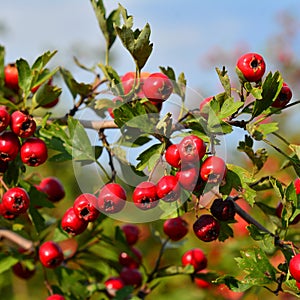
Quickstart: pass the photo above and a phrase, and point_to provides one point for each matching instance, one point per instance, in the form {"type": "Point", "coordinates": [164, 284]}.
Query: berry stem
{"type": "Point", "coordinates": [3, 183]}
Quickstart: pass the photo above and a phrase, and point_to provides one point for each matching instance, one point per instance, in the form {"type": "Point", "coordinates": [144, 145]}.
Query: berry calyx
{"type": "Point", "coordinates": [112, 198]}
{"type": "Point", "coordinates": [213, 169]}
{"type": "Point", "coordinates": [207, 228]}
{"type": "Point", "coordinates": [72, 224]}
{"type": "Point", "coordinates": [4, 118]}
{"type": "Point", "coordinates": [11, 76]}
{"type": "Point", "coordinates": [33, 152]}
{"type": "Point", "coordinates": [172, 156]}
{"type": "Point", "coordinates": [196, 258]}
{"type": "Point", "coordinates": [175, 228]}
{"type": "Point", "coordinates": [53, 188]}
{"type": "Point", "coordinates": [157, 87]}
{"type": "Point", "coordinates": [22, 124]}
{"type": "Point", "coordinates": [145, 195]}
{"type": "Point", "coordinates": [223, 210]}
{"type": "Point", "coordinates": [294, 267]}
{"type": "Point", "coordinates": [131, 277]}
{"type": "Point", "coordinates": [252, 66]}
{"type": "Point", "coordinates": [50, 254]}
{"type": "Point", "coordinates": [168, 188]}
{"type": "Point", "coordinates": [16, 200]}
{"type": "Point", "coordinates": [191, 149]}
{"type": "Point", "coordinates": [9, 146]}
{"type": "Point", "coordinates": [130, 260]}
{"type": "Point", "coordinates": [56, 297]}
{"type": "Point", "coordinates": [132, 233]}
{"type": "Point", "coordinates": [85, 207]}
{"type": "Point", "coordinates": [284, 97]}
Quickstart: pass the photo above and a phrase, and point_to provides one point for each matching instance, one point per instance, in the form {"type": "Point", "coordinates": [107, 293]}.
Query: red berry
{"type": "Point", "coordinates": [85, 207]}
{"type": "Point", "coordinates": [50, 254]}
{"type": "Point", "coordinates": [203, 104]}
{"type": "Point", "coordinates": [284, 97]}
{"type": "Point", "coordinates": [112, 198]}
{"type": "Point", "coordinates": [188, 177]}
{"type": "Point", "coordinates": [196, 258]}
{"type": "Point", "coordinates": [16, 200]}
{"type": "Point", "coordinates": [145, 195]}
{"type": "Point", "coordinates": [223, 210]}
{"type": "Point", "coordinates": [131, 277]}
{"type": "Point", "coordinates": [9, 146]}
{"type": "Point", "coordinates": [191, 149]}
{"type": "Point", "coordinates": [56, 297]}
{"type": "Point", "coordinates": [172, 156]}
{"type": "Point", "coordinates": [297, 185]}
{"type": "Point", "coordinates": [22, 124]}
{"type": "Point", "coordinates": [72, 224]}
{"type": "Point", "coordinates": [4, 118]}
{"type": "Point", "coordinates": [252, 66]}
{"type": "Point", "coordinates": [6, 214]}
{"type": "Point", "coordinates": [34, 152]}
{"type": "Point", "coordinates": [157, 87]}
{"type": "Point", "coordinates": [175, 228]}
{"type": "Point", "coordinates": [22, 271]}
{"type": "Point", "coordinates": [130, 260]}
{"type": "Point", "coordinates": [298, 284]}
{"type": "Point", "coordinates": [168, 188]}
{"type": "Point", "coordinates": [213, 169]}
{"type": "Point", "coordinates": [113, 284]}
{"type": "Point", "coordinates": [131, 232]}
{"type": "Point", "coordinates": [128, 81]}
{"type": "Point", "coordinates": [53, 188]}
{"type": "Point", "coordinates": [11, 77]}
{"type": "Point", "coordinates": [202, 283]}
{"type": "Point", "coordinates": [206, 228]}
{"type": "Point", "coordinates": [294, 267]}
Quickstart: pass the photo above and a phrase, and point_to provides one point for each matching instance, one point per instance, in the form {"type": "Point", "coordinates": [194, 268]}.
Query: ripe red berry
{"type": "Point", "coordinates": [203, 104]}
{"type": "Point", "coordinates": [131, 277]}
{"type": "Point", "coordinates": [71, 223]}
{"type": "Point", "coordinates": [22, 124]}
{"type": "Point", "coordinates": [157, 87]}
{"type": "Point", "coordinates": [191, 149]}
{"type": "Point", "coordinates": [56, 297]}
{"type": "Point", "coordinates": [196, 258]}
{"type": "Point", "coordinates": [284, 97]}
{"type": "Point", "coordinates": [297, 185]}
{"type": "Point", "coordinates": [4, 118]}
{"type": "Point", "coordinates": [16, 200]}
{"type": "Point", "coordinates": [175, 228]}
{"type": "Point", "coordinates": [132, 233]}
{"type": "Point", "coordinates": [294, 267]}
{"type": "Point", "coordinates": [207, 228]}
{"type": "Point", "coordinates": [53, 188]}
{"type": "Point", "coordinates": [11, 77]}
{"type": "Point", "coordinates": [6, 214]}
{"type": "Point", "coordinates": [130, 260]}
{"type": "Point", "coordinates": [298, 284]}
{"type": "Point", "coordinates": [113, 284]}
{"type": "Point", "coordinates": [168, 188]}
{"type": "Point", "coordinates": [223, 210]}
{"type": "Point", "coordinates": [9, 146]}
{"type": "Point", "coordinates": [145, 195]}
{"type": "Point", "coordinates": [85, 207]}
{"type": "Point", "coordinates": [252, 66]}
{"type": "Point", "coordinates": [172, 156]}
{"type": "Point", "coordinates": [213, 169]}
{"type": "Point", "coordinates": [188, 177]}
{"type": "Point", "coordinates": [50, 254]}
{"type": "Point", "coordinates": [200, 282]}
{"type": "Point", "coordinates": [22, 271]}
{"type": "Point", "coordinates": [34, 152]}
{"type": "Point", "coordinates": [112, 198]}
{"type": "Point", "coordinates": [128, 81]}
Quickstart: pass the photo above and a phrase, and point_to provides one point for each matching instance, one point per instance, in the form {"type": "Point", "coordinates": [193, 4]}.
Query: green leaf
{"type": "Point", "coordinates": [260, 131]}
{"type": "Point", "coordinates": [233, 283]}
{"type": "Point", "coordinates": [42, 61]}
{"type": "Point", "coordinates": [114, 79]}
{"type": "Point", "coordinates": [37, 219]}
{"type": "Point", "coordinates": [8, 103]}
{"type": "Point", "coordinates": [6, 262]}
{"type": "Point", "coordinates": [45, 94]}
{"type": "Point", "coordinates": [225, 232]}
{"type": "Point", "coordinates": [229, 107]}
{"type": "Point", "coordinates": [256, 92]}
{"type": "Point", "coordinates": [2, 65]}
{"type": "Point", "coordinates": [25, 76]}
{"type": "Point", "coordinates": [38, 198]}
{"type": "Point", "coordinates": [225, 81]}
{"type": "Point", "coordinates": [145, 157]}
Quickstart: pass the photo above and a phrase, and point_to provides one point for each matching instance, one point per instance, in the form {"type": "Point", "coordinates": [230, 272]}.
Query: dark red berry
{"type": "Point", "coordinates": [4, 118]}
{"type": "Point", "coordinates": [112, 198]}
{"type": "Point", "coordinates": [11, 76]}
{"type": "Point", "coordinates": [294, 267]}
{"type": "Point", "coordinates": [22, 271]}
{"type": "Point", "coordinates": [85, 207]}
{"type": "Point", "coordinates": [9, 146]}
{"type": "Point", "coordinates": [188, 177]}
{"type": "Point", "coordinates": [196, 258]}
{"type": "Point", "coordinates": [53, 188]}
{"type": "Point", "coordinates": [213, 169]}
{"type": "Point", "coordinates": [207, 228]}
{"type": "Point", "coordinates": [22, 124]}
{"type": "Point", "coordinates": [223, 210]}
{"type": "Point", "coordinates": [113, 284]}
{"type": "Point", "coordinates": [130, 260]}
{"type": "Point", "coordinates": [157, 87]}
{"type": "Point", "coordinates": [3, 166]}
{"type": "Point", "coordinates": [168, 188]}
{"type": "Point", "coordinates": [172, 156]}
{"type": "Point", "coordinates": [145, 195]}
{"type": "Point", "coordinates": [50, 254]}
{"type": "Point", "coordinates": [34, 152]}
{"type": "Point", "coordinates": [72, 224]}
{"type": "Point", "coordinates": [56, 297]}
{"type": "Point", "coordinates": [191, 149]}
{"type": "Point", "coordinates": [252, 66]}
{"type": "Point", "coordinates": [175, 228]}
{"type": "Point", "coordinates": [284, 97]}
{"type": "Point", "coordinates": [131, 277]}
{"type": "Point", "coordinates": [132, 233]}
{"type": "Point", "coordinates": [16, 200]}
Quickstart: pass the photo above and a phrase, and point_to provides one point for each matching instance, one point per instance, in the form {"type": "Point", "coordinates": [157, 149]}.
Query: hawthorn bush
{"type": "Point", "coordinates": [156, 206]}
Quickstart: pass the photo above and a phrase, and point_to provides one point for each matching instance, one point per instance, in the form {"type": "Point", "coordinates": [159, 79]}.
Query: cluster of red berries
{"type": "Point", "coordinates": [156, 87]}
{"type": "Point", "coordinates": [130, 262]}
{"type": "Point", "coordinates": [17, 130]}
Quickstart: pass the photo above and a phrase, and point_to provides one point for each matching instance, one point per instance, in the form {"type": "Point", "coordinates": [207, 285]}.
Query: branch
{"type": "Point", "coordinates": [17, 239]}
